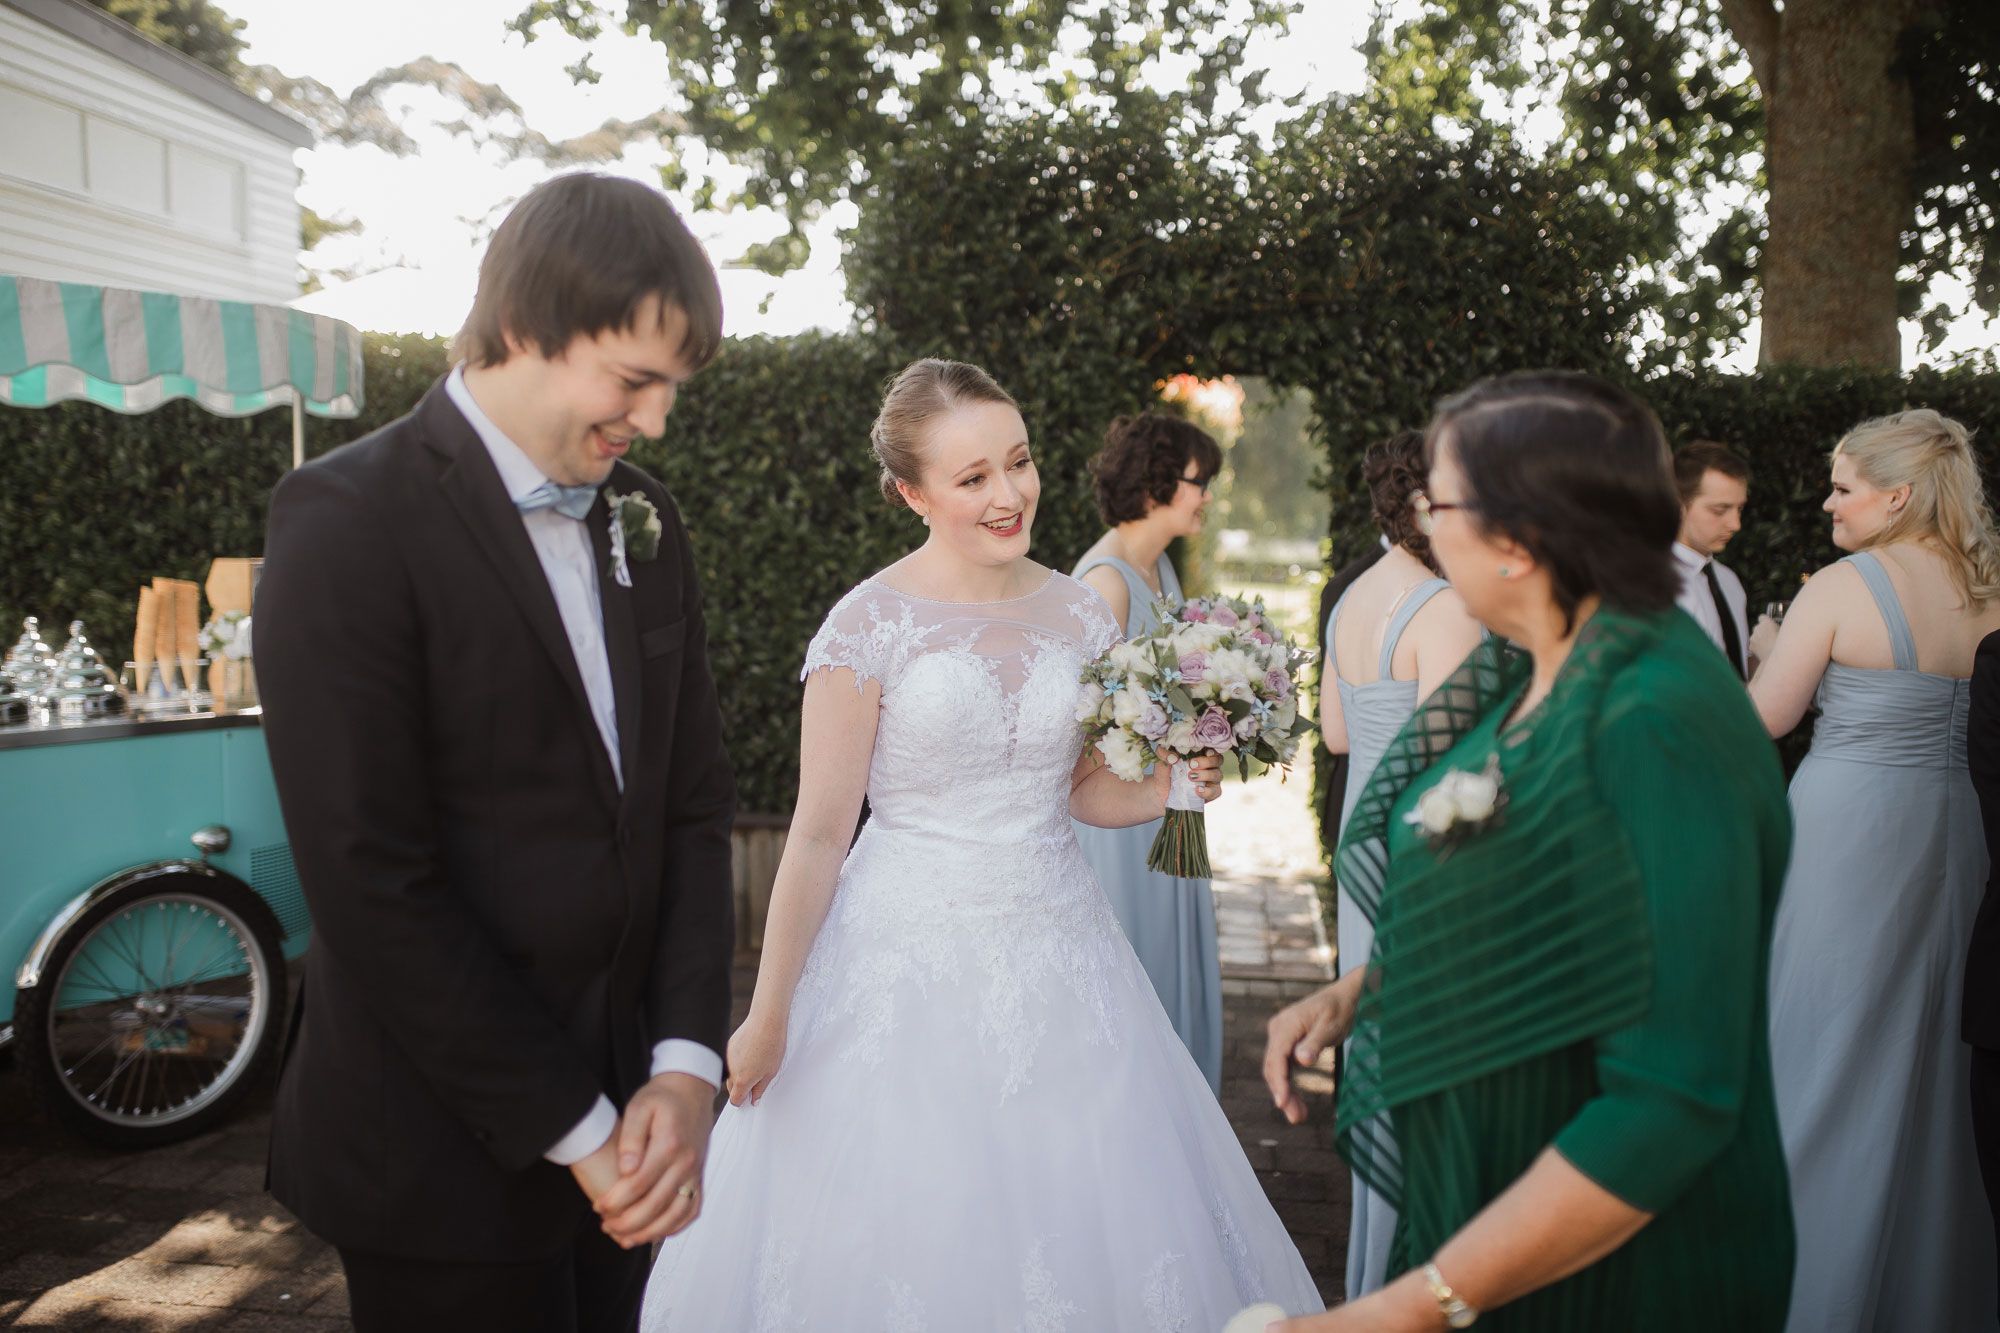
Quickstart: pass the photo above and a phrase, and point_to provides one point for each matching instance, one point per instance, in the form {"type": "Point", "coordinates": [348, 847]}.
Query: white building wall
{"type": "Point", "coordinates": [110, 175]}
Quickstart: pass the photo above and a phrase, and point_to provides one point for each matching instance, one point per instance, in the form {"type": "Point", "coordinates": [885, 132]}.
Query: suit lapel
{"type": "Point", "coordinates": [621, 637]}
{"type": "Point", "coordinates": [473, 487]}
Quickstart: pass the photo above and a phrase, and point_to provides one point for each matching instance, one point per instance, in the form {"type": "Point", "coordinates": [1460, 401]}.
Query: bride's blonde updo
{"type": "Point", "coordinates": [1932, 455]}
{"type": "Point", "coordinates": [922, 392]}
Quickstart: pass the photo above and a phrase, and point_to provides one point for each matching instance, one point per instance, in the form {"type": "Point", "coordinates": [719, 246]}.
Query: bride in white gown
{"type": "Point", "coordinates": [956, 1103]}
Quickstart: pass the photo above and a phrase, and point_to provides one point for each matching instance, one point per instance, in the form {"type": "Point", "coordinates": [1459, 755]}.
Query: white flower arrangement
{"type": "Point", "coordinates": [1459, 806]}
{"type": "Point", "coordinates": [1215, 677]}
{"type": "Point", "coordinates": [635, 531]}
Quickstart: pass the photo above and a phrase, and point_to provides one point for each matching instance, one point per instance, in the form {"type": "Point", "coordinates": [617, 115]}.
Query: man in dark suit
{"type": "Point", "coordinates": [497, 745]}
{"type": "Point", "coordinates": [1981, 1017]}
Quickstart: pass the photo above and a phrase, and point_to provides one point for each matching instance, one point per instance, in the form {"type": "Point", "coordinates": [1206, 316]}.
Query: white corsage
{"type": "Point", "coordinates": [1460, 805]}
{"type": "Point", "coordinates": [635, 531]}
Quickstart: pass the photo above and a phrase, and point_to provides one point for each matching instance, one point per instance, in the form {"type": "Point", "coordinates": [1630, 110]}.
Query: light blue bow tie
{"type": "Point", "coordinates": [569, 501]}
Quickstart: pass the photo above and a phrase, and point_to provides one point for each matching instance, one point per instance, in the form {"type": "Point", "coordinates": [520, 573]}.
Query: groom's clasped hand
{"type": "Point", "coordinates": [645, 1182]}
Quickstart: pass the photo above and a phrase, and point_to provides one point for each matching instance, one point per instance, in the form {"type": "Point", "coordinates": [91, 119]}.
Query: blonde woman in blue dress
{"type": "Point", "coordinates": [1888, 864]}
{"type": "Point", "coordinates": [1152, 487]}
{"type": "Point", "coordinates": [1393, 636]}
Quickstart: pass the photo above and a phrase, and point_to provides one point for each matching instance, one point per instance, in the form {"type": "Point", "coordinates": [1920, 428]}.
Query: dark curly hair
{"type": "Point", "coordinates": [1142, 460]}
{"type": "Point", "coordinates": [1394, 469]}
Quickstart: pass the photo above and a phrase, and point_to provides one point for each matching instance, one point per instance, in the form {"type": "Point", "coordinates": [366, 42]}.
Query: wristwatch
{"type": "Point", "coordinates": [1457, 1313]}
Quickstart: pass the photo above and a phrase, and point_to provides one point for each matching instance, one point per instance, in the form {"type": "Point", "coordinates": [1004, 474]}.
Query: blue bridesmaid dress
{"type": "Point", "coordinates": [1169, 921]}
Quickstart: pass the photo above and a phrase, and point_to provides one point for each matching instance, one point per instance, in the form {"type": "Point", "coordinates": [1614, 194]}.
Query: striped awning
{"type": "Point", "coordinates": [132, 351]}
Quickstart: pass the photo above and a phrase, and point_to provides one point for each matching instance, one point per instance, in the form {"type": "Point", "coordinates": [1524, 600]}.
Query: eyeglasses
{"type": "Point", "coordinates": [1427, 510]}
{"type": "Point", "coordinates": [1199, 483]}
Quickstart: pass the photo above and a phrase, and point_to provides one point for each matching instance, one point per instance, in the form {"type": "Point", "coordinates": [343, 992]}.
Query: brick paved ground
{"type": "Point", "coordinates": [185, 1238]}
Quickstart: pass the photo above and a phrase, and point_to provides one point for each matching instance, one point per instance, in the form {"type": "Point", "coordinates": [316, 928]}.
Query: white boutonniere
{"type": "Point", "coordinates": [1460, 805]}
{"type": "Point", "coordinates": [635, 532]}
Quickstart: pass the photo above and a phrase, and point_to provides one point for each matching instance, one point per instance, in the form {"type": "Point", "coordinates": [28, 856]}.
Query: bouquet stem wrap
{"type": "Point", "coordinates": [1181, 849]}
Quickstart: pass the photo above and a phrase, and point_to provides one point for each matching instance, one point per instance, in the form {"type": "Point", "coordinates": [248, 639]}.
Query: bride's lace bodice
{"type": "Point", "coordinates": [968, 869]}
{"type": "Point", "coordinates": [977, 734]}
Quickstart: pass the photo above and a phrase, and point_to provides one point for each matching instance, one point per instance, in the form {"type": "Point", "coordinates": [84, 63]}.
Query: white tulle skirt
{"type": "Point", "coordinates": [984, 1120]}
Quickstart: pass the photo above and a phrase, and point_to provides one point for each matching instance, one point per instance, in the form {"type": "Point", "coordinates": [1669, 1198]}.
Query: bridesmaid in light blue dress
{"type": "Point", "coordinates": [1152, 486]}
{"type": "Point", "coordinates": [1384, 655]}
{"type": "Point", "coordinates": [1888, 864]}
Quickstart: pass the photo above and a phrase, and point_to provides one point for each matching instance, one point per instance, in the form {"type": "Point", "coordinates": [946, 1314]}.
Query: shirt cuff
{"type": "Point", "coordinates": [678, 1055]}
{"type": "Point", "coordinates": [591, 1133]}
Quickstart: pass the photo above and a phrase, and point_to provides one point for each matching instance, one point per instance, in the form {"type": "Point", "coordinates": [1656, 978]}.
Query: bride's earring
{"type": "Point", "coordinates": [1506, 572]}
{"type": "Point", "coordinates": [926, 518]}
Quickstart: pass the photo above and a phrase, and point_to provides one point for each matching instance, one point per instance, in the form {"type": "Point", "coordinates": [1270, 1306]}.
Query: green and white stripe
{"type": "Point", "coordinates": [132, 351]}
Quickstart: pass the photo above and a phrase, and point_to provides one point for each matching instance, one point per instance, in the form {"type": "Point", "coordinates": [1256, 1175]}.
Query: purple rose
{"type": "Point", "coordinates": [1152, 723]}
{"type": "Point", "coordinates": [1193, 614]}
{"type": "Point", "coordinates": [1277, 683]}
{"type": "Point", "coordinates": [1192, 666]}
{"type": "Point", "coordinates": [1212, 730]}
{"type": "Point", "coordinates": [1224, 617]}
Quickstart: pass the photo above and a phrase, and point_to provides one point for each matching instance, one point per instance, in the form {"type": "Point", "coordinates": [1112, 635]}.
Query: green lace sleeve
{"type": "Point", "coordinates": [1673, 1083]}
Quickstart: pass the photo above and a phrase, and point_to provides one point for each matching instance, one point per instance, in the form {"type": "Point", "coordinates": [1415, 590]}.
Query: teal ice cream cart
{"type": "Point", "coordinates": [148, 904]}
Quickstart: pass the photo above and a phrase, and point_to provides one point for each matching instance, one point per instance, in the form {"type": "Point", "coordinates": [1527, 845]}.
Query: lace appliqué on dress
{"type": "Point", "coordinates": [1236, 1252]}
{"type": "Point", "coordinates": [1044, 1310]}
{"type": "Point", "coordinates": [859, 635]}
{"type": "Point", "coordinates": [772, 1283]}
{"type": "Point", "coordinates": [905, 1312]}
{"type": "Point", "coordinates": [1166, 1302]}
{"type": "Point", "coordinates": [969, 858]}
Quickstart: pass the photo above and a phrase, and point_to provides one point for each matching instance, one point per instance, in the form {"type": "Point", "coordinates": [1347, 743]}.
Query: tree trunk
{"type": "Point", "coordinates": [1840, 142]}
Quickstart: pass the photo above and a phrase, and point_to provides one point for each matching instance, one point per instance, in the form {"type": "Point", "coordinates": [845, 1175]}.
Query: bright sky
{"type": "Point", "coordinates": [426, 217]}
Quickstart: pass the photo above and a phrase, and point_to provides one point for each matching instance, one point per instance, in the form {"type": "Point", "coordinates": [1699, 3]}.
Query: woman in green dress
{"type": "Point", "coordinates": [1572, 855]}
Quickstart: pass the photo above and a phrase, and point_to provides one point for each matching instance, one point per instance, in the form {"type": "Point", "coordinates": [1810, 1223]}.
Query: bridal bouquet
{"type": "Point", "coordinates": [1217, 676]}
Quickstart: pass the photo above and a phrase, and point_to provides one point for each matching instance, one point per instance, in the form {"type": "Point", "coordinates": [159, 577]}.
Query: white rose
{"type": "Point", "coordinates": [1088, 701]}
{"type": "Point", "coordinates": [1205, 637]}
{"type": "Point", "coordinates": [1126, 705]}
{"type": "Point", "coordinates": [1132, 660]}
{"type": "Point", "coordinates": [1236, 687]}
{"type": "Point", "coordinates": [1123, 756]}
{"type": "Point", "coordinates": [1476, 795]}
{"type": "Point", "coordinates": [1436, 811]}
{"type": "Point", "coordinates": [1180, 736]}
{"type": "Point", "coordinates": [1285, 713]}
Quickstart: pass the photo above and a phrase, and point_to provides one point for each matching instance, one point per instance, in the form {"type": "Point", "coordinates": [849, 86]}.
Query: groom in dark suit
{"type": "Point", "coordinates": [496, 742]}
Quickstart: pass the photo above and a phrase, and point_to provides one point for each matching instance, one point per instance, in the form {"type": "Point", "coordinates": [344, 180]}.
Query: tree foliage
{"type": "Point", "coordinates": [816, 99]}
{"type": "Point", "coordinates": [195, 28]}
{"type": "Point", "coordinates": [1659, 101]}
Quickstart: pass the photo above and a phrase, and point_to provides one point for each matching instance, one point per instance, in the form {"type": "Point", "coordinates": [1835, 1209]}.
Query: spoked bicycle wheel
{"type": "Point", "coordinates": [156, 1010]}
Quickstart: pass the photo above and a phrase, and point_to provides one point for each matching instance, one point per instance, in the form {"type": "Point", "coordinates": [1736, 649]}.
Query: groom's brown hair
{"type": "Point", "coordinates": [580, 254]}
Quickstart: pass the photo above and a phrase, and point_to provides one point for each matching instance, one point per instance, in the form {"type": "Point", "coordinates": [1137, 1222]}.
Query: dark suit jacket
{"type": "Point", "coordinates": [499, 933]}
{"type": "Point", "coordinates": [1982, 752]}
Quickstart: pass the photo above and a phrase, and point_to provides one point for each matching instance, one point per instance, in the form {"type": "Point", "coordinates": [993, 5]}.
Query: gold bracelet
{"type": "Point", "coordinates": [1457, 1312]}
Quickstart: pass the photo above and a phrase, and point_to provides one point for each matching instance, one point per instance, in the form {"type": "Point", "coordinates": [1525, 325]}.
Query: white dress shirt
{"type": "Point", "coordinates": [563, 546]}
{"type": "Point", "coordinates": [1699, 602]}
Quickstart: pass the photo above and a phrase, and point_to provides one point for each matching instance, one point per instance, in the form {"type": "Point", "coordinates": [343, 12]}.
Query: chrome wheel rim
{"type": "Point", "coordinates": [159, 1010]}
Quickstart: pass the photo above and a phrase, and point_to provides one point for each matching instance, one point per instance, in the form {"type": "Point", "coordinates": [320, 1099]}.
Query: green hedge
{"type": "Point", "coordinates": [93, 503]}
